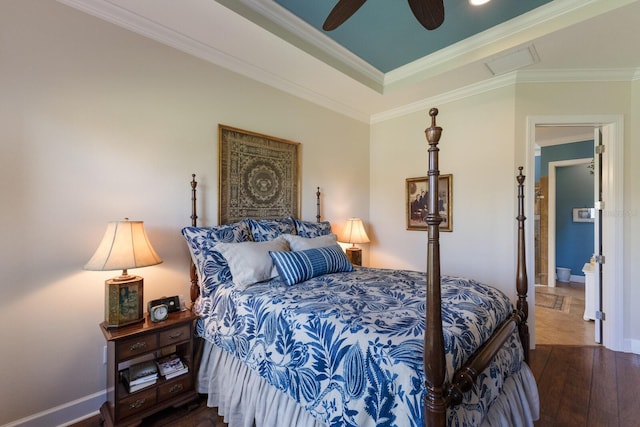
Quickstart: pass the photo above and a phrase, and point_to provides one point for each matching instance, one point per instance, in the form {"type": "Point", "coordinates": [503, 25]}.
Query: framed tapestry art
{"type": "Point", "coordinates": [417, 199]}
{"type": "Point", "coordinates": [259, 176]}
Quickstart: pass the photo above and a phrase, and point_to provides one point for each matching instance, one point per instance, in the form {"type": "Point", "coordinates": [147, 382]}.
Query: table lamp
{"type": "Point", "coordinates": [354, 233]}
{"type": "Point", "coordinates": [125, 245]}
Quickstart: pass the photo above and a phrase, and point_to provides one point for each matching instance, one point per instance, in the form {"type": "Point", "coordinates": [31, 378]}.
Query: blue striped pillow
{"type": "Point", "coordinates": [296, 267]}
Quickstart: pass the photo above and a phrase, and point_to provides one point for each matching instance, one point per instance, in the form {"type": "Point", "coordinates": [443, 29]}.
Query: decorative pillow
{"type": "Point", "coordinates": [312, 229]}
{"type": "Point", "coordinates": [298, 243]}
{"type": "Point", "coordinates": [211, 266]}
{"type": "Point", "coordinates": [250, 261]}
{"type": "Point", "coordinates": [296, 267]}
{"type": "Point", "coordinates": [263, 230]}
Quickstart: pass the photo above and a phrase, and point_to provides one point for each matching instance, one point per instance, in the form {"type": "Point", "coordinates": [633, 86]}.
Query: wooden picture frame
{"type": "Point", "coordinates": [416, 202]}
{"type": "Point", "coordinates": [584, 214]}
{"type": "Point", "coordinates": [259, 176]}
{"type": "Point", "coordinates": [124, 302]}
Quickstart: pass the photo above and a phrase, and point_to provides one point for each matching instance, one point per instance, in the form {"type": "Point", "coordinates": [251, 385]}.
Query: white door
{"type": "Point", "coordinates": [597, 232]}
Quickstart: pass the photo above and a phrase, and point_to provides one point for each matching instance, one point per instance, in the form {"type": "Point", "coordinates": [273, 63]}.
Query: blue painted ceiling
{"type": "Point", "coordinates": [385, 33]}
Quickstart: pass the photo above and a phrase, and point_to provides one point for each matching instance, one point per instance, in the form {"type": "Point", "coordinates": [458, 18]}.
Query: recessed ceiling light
{"type": "Point", "coordinates": [478, 2]}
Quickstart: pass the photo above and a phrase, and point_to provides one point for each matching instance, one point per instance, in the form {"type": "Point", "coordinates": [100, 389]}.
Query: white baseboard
{"type": "Point", "coordinates": [577, 278]}
{"type": "Point", "coordinates": [64, 415]}
{"type": "Point", "coordinates": [632, 346]}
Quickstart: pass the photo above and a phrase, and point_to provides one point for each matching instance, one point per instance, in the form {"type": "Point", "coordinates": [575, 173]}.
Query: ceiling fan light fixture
{"type": "Point", "coordinates": [478, 2]}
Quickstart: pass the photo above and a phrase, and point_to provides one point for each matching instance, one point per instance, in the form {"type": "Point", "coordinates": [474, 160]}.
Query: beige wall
{"type": "Point", "coordinates": [479, 153]}
{"type": "Point", "coordinates": [98, 123]}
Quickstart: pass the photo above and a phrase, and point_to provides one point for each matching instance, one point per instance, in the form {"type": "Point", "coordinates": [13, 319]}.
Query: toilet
{"type": "Point", "coordinates": [563, 274]}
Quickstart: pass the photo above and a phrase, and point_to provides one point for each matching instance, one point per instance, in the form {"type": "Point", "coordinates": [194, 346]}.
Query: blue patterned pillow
{"type": "Point", "coordinates": [296, 267]}
{"type": "Point", "coordinates": [212, 267]}
{"type": "Point", "coordinates": [312, 229]}
{"type": "Point", "coordinates": [263, 230]}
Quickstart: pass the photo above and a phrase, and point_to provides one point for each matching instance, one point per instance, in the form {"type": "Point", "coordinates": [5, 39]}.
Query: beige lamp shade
{"type": "Point", "coordinates": [354, 232]}
{"type": "Point", "coordinates": [125, 245]}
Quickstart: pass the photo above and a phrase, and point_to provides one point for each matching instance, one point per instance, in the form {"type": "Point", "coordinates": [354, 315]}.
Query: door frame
{"type": "Point", "coordinates": [612, 219]}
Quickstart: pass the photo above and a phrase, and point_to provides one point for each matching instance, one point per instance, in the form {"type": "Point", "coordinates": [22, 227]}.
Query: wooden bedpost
{"type": "Point", "coordinates": [522, 281]}
{"type": "Point", "coordinates": [195, 289]}
{"type": "Point", "coordinates": [318, 205]}
{"type": "Point", "coordinates": [435, 403]}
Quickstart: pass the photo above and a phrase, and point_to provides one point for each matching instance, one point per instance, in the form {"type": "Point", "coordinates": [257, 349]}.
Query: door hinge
{"type": "Point", "coordinates": [600, 149]}
{"type": "Point", "coordinates": [600, 315]}
{"type": "Point", "coordinates": [599, 205]}
{"type": "Point", "coordinates": [599, 259]}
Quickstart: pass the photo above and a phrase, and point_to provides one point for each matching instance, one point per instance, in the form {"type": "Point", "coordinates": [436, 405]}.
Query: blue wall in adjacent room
{"type": "Point", "coordinates": [574, 189]}
{"type": "Point", "coordinates": [554, 153]}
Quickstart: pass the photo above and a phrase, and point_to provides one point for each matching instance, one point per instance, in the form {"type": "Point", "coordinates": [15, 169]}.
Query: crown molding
{"type": "Point", "coordinates": [451, 96]}
{"type": "Point", "coordinates": [578, 75]}
{"type": "Point", "coordinates": [515, 77]}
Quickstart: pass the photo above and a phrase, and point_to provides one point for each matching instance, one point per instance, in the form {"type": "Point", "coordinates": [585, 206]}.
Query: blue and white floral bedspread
{"type": "Point", "coordinates": [349, 346]}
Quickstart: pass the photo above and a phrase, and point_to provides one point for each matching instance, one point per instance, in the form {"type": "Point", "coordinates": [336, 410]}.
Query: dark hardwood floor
{"type": "Point", "coordinates": [586, 386]}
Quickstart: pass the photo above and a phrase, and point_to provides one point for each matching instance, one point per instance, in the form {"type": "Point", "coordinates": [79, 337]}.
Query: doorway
{"type": "Point", "coordinates": [562, 301]}
{"type": "Point", "coordinates": [612, 170]}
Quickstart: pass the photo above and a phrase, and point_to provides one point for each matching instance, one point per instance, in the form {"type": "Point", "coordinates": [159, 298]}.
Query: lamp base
{"type": "Point", "coordinates": [123, 302]}
{"type": "Point", "coordinates": [354, 255]}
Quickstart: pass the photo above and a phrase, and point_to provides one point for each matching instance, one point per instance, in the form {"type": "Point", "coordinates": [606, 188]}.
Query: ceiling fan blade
{"type": "Point", "coordinates": [430, 13]}
{"type": "Point", "coordinates": [341, 12]}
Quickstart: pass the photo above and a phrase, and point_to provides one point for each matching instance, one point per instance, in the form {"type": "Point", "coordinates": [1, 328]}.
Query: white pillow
{"type": "Point", "coordinates": [298, 243]}
{"type": "Point", "coordinates": [250, 262]}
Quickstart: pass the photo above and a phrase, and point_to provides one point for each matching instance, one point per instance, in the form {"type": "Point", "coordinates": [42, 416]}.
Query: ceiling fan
{"type": "Point", "coordinates": [430, 13]}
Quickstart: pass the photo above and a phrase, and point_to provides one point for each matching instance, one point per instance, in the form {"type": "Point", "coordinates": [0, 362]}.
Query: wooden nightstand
{"type": "Point", "coordinates": [146, 341]}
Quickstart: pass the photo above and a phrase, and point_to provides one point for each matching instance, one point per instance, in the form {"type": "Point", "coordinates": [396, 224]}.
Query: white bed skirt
{"type": "Point", "coordinates": [244, 399]}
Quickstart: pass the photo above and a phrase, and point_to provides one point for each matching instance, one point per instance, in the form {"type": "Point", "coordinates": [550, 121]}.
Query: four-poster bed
{"type": "Point", "coordinates": [332, 345]}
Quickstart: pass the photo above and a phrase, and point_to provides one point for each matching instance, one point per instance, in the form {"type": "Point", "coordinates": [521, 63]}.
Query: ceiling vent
{"type": "Point", "coordinates": [513, 60]}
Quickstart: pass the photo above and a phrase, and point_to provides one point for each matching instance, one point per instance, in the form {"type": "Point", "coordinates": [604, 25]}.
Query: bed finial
{"type": "Point", "coordinates": [433, 132]}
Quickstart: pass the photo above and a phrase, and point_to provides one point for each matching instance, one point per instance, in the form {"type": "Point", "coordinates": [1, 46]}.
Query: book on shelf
{"type": "Point", "coordinates": [139, 384]}
{"type": "Point", "coordinates": [177, 373]}
{"type": "Point", "coordinates": [140, 373]}
{"type": "Point", "coordinates": [171, 366]}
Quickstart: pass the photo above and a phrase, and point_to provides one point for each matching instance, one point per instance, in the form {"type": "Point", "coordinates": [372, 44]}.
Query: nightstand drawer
{"type": "Point", "coordinates": [175, 335]}
{"type": "Point", "coordinates": [174, 387]}
{"type": "Point", "coordinates": [136, 403]}
{"type": "Point", "coordinates": [139, 345]}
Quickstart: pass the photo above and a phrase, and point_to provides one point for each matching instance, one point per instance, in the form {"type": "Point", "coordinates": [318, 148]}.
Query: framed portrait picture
{"type": "Point", "coordinates": [417, 202]}
{"type": "Point", "coordinates": [124, 302]}
{"type": "Point", "coordinates": [259, 176]}
{"type": "Point", "coordinates": [584, 214]}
